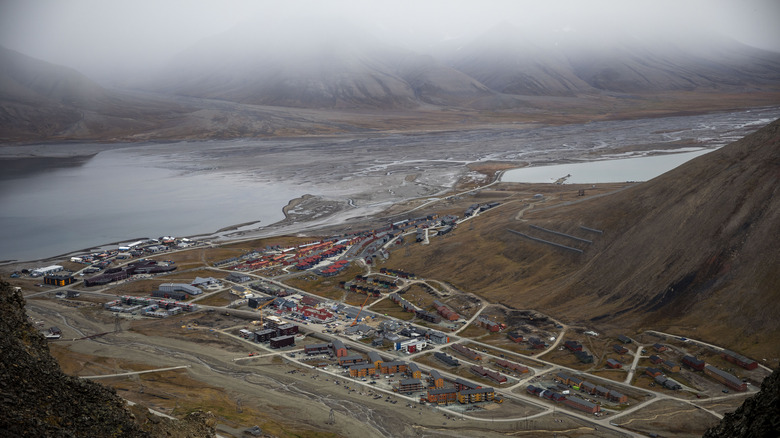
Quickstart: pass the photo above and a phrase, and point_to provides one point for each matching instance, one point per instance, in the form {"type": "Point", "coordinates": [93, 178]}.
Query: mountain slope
{"type": "Point", "coordinates": [39, 400]}
{"type": "Point", "coordinates": [296, 63]}
{"type": "Point", "coordinates": [693, 251]}
{"type": "Point", "coordinates": [510, 60]}
{"type": "Point", "coordinates": [698, 243]}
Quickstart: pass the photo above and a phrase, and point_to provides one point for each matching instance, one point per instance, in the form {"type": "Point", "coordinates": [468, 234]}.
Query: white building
{"type": "Point", "coordinates": [46, 270]}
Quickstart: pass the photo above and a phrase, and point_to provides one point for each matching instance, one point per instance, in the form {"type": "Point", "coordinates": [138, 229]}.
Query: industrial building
{"type": "Point", "coordinates": [725, 378]}
{"type": "Point", "coordinates": [582, 405]}
{"type": "Point", "coordinates": [38, 272]}
{"type": "Point", "coordinates": [744, 362]}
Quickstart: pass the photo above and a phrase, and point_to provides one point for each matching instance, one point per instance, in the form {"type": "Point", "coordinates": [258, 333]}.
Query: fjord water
{"type": "Point", "coordinates": [603, 171]}
{"type": "Point", "coordinates": [116, 196]}
{"type": "Point", "coordinates": [54, 206]}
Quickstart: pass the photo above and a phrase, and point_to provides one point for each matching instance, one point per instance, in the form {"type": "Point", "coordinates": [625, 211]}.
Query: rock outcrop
{"type": "Point", "coordinates": [756, 418]}
{"type": "Point", "coordinates": [37, 399]}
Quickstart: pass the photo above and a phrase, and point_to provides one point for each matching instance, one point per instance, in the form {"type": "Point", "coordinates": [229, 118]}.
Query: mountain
{"type": "Point", "coordinates": [693, 251]}
{"type": "Point", "coordinates": [331, 64]}
{"type": "Point", "coordinates": [39, 400]}
{"type": "Point", "coordinates": [510, 60]}
{"type": "Point", "coordinates": [696, 244]}
{"type": "Point", "coordinates": [44, 101]}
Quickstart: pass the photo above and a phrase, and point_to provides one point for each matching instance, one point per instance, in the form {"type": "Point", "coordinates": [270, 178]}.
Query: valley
{"type": "Point", "coordinates": [234, 376]}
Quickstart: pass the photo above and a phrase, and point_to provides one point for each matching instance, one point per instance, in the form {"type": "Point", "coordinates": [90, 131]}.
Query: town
{"type": "Point", "coordinates": [330, 306]}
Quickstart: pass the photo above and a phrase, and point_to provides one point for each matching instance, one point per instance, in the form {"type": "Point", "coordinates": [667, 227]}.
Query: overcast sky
{"type": "Point", "coordinates": [93, 35]}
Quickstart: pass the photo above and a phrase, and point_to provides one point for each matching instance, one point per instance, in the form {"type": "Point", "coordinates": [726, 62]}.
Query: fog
{"type": "Point", "coordinates": [108, 38]}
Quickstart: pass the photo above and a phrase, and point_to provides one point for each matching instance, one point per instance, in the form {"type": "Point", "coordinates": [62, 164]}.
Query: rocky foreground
{"type": "Point", "coordinates": [37, 399]}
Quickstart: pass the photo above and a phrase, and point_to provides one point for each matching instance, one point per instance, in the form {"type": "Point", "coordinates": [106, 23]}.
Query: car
{"type": "Point", "coordinates": [725, 391]}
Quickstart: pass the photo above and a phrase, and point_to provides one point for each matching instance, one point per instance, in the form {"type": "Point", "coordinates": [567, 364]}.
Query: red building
{"type": "Point", "coordinates": [744, 362]}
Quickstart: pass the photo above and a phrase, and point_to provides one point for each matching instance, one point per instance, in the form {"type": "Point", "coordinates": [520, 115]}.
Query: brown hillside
{"type": "Point", "coordinates": [692, 251]}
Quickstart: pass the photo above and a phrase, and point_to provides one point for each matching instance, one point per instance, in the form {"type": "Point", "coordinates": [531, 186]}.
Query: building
{"type": "Point", "coordinates": [178, 295]}
{"type": "Point", "coordinates": [581, 405]}
{"type": "Point", "coordinates": [602, 391]}
{"type": "Point", "coordinates": [362, 370]}
{"type": "Point", "coordinates": [408, 386]}
{"type": "Point", "coordinates": [573, 345]}
{"type": "Point", "coordinates": [511, 366]}
{"type": "Point", "coordinates": [660, 347]}
{"type": "Point", "coordinates": [488, 324]}
{"type": "Point", "coordinates": [467, 352]}
{"type": "Point", "coordinates": [694, 363]}
{"type": "Point", "coordinates": [492, 375]}
{"type": "Point", "coordinates": [655, 359]}
{"type": "Point", "coordinates": [617, 397]}
{"type": "Point", "coordinates": [375, 359]}
{"type": "Point", "coordinates": [411, 345]}
{"type": "Point", "coordinates": [352, 359]}
{"type": "Point", "coordinates": [561, 377]}
{"type": "Point", "coordinates": [47, 270]}
{"type": "Point", "coordinates": [653, 372]}
{"type": "Point", "coordinates": [174, 287]}
{"type": "Point", "coordinates": [575, 381]}
{"type": "Point", "coordinates": [442, 395]}
{"type": "Point", "coordinates": [437, 380]}
{"type": "Point", "coordinates": [670, 366]}
{"type": "Point", "coordinates": [312, 349]}
{"type": "Point", "coordinates": [515, 337]}
{"type": "Point", "coordinates": [414, 371]}
{"type": "Point", "coordinates": [447, 359]}
{"type": "Point", "coordinates": [588, 387]}
{"type": "Point", "coordinates": [584, 357]}
{"type": "Point", "coordinates": [265, 335]}
{"type": "Point", "coordinates": [393, 367]}
{"type": "Point", "coordinates": [624, 339]}
{"type": "Point", "coordinates": [59, 280]}
{"type": "Point", "coordinates": [667, 383]}
{"type": "Point", "coordinates": [536, 343]}
{"type": "Point", "coordinates": [437, 337]}
{"type": "Point", "coordinates": [339, 349]}
{"type": "Point", "coordinates": [619, 349]}
{"type": "Point", "coordinates": [236, 277]}
{"type": "Point", "coordinates": [428, 316]}
{"type": "Point", "coordinates": [208, 281]}
{"type": "Point", "coordinates": [282, 341]}
{"type": "Point", "coordinates": [462, 384]}
{"type": "Point", "coordinates": [476, 395]}
{"type": "Point", "coordinates": [612, 363]}
{"type": "Point", "coordinates": [744, 362]}
{"type": "Point", "coordinates": [725, 378]}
